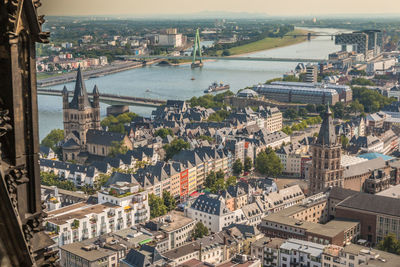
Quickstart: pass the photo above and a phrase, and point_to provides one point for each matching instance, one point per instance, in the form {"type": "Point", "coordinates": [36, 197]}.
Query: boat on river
{"type": "Point", "coordinates": [214, 87]}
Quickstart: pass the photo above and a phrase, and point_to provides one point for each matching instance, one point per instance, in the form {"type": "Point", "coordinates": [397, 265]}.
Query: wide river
{"type": "Point", "coordinates": [174, 82]}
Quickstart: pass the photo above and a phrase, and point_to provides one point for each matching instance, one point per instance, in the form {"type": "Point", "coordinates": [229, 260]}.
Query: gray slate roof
{"type": "Point", "coordinates": [327, 134]}
{"type": "Point", "coordinates": [80, 91]}
{"type": "Point", "coordinates": [210, 204]}
{"type": "Point", "coordinates": [105, 138]}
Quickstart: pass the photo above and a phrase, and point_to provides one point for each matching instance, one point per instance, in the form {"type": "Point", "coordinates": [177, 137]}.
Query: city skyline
{"type": "Point", "coordinates": [177, 7]}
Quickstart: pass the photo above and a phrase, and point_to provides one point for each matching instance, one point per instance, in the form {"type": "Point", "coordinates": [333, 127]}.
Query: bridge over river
{"type": "Point", "coordinates": [111, 99]}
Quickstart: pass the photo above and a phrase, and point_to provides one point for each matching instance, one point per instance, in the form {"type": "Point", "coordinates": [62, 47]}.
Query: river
{"type": "Point", "coordinates": [174, 82]}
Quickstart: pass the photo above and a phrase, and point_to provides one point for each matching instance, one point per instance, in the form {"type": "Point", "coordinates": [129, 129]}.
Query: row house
{"type": "Point", "coordinates": [183, 175]}
{"type": "Point", "coordinates": [76, 173]}
{"type": "Point", "coordinates": [355, 127]}
{"type": "Point", "coordinates": [202, 161]}
{"type": "Point", "coordinates": [246, 192]}
{"type": "Point", "coordinates": [291, 158]}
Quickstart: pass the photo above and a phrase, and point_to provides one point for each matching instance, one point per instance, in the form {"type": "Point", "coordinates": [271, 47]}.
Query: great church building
{"type": "Point", "coordinates": [80, 115]}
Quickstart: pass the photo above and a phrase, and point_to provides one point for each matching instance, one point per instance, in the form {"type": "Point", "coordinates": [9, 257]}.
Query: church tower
{"type": "Point", "coordinates": [80, 115]}
{"type": "Point", "coordinates": [326, 168]}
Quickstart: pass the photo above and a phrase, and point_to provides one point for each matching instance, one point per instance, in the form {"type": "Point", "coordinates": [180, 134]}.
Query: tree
{"type": "Point", "coordinates": [237, 167]}
{"type": "Point", "coordinates": [232, 180]}
{"type": "Point", "coordinates": [290, 113]}
{"type": "Point", "coordinates": [199, 230]}
{"type": "Point", "coordinates": [248, 164]}
{"type": "Point", "coordinates": [157, 207]}
{"type": "Point", "coordinates": [169, 200]}
{"type": "Point", "coordinates": [117, 148]}
{"type": "Point", "coordinates": [215, 181]}
{"type": "Point", "coordinates": [362, 81]}
{"type": "Point", "coordinates": [211, 178]}
{"type": "Point", "coordinates": [287, 130]}
{"type": "Point", "coordinates": [390, 244]}
{"type": "Point", "coordinates": [51, 179]}
{"type": "Point", "coordinates": [116, 124]}
{"type": "Point", "coordinates": [311, 108]}
{"type": "Point", "coordinates": [226, 53]}
{"type": "Point", "coordinates": [164, 132]}
{"type": "Point", "coordinates": [103, 178]}
{"type": "Point", "coordinates": [344, 141]}
{"type": "Point", "coordinates": [53, 139]}
{"type": "Point", "coordinates": [372, 100]}
{"type": "Point", "coordinates": [320, 108]}
{"type": "Point", "coordinates": [218, 186]}
{"type": "Point", "coordinates": [356, 106]}
{"type": "Point", "coordinates": [338, 110]}
{"type": "Point", "coordinates": [303, 112]}
{"type": "Point", "coordinates": [268, 163]}
{"type": "Point", "coordinates": [176, 146]}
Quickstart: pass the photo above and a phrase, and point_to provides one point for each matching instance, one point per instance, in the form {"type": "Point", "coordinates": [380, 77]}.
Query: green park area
{"type": "Point", "coordinates": [269, 43]}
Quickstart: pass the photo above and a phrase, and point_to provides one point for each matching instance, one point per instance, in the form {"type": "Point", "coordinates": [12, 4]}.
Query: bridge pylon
{"type": "Point", "coordinates": [197, 47]}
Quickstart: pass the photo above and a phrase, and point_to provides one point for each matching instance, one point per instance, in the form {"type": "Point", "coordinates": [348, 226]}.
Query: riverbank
{"type": "Point", "coordinates": [62, 78]}
{"type": "Point", "coordinates": [269, 43]}
{"type": "Point", "coordinates": [174, 82]}
{"type": "Point", "coordinates": [261, 45]}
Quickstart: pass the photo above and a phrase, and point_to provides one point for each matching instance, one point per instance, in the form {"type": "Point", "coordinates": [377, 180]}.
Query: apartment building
{"type": "Point", "coordinates": [358, 256]}
{"type": "Point", "coordinates": [296, 252]}
{"type": "Point", "coordinates": [303, 221]}
{"type": "Point", "coordinates": [211, 210]}
{"type": "Point", "coordinates": [119, 207]}
{"type": "Point", "coordinates": [177, 228]}
{"type": "Point", "coordinates": [213, 249]}
{"type": "Point", "coordinates": [94, 252]}
{"type": "Point", "coordinates": [267, 250]}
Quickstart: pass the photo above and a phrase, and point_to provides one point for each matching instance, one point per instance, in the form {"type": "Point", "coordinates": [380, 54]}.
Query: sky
{"type": "Point", "coordinates": [269, 7]}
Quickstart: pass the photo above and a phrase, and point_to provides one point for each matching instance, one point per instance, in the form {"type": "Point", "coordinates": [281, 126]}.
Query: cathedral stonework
{"type": "Point", "coordinates": [326, 169]}
{"type": "Point", "coordinates": [22, 240]}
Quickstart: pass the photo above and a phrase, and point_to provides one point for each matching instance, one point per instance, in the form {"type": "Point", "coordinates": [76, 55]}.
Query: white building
{"type": "Point", "coordinates": [357, 256]}
{"type": "Point", "coordinates": [295, 252]}
{"type": "Point", "coordinates": [380, 66]}
{"type": "Point", "coordinates": [121, 207]}
{"type": "Point", "coordinates": [211, 210]}
{"type": "Point", "coordinates": [174, 40]}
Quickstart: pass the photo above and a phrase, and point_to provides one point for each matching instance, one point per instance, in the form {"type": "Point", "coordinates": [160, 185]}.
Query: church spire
{"type": "Point", "coordinates": [80, 92]}
{"type": "Point", "coordinates": [327, 135]}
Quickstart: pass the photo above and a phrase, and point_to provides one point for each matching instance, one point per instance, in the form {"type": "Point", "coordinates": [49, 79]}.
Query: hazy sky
{"type": "Point", "coordinates": [270, 7]}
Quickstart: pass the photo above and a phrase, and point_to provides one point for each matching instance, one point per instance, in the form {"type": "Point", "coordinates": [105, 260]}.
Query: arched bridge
{"type": "Point", "coordinates": [111, 99]}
